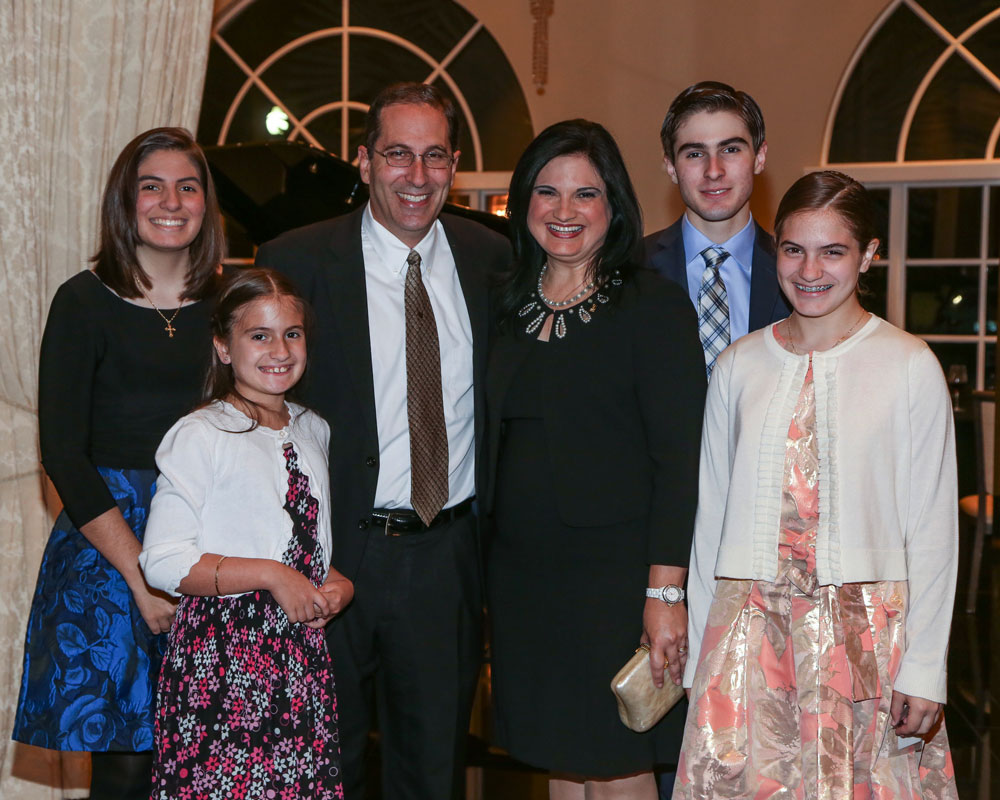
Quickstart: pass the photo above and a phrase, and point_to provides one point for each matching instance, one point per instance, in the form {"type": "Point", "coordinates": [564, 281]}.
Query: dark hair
{"type": "Point", "coordinates": [622, 245]}
{"type": "Point", "coordinates": [836, 191]}
{"type": "Point", "coordinates": [238, 290]}
{"type": "Point", "coordinates": [711, 96]}
{"type": "Point", "coordinates": [116, 262]}
{"type": "Point", "coordinates": [416, 94]}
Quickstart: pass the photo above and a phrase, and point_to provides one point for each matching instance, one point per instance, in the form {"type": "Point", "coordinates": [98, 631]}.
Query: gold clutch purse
{"type": "Point", "coordinates": [640, 704]}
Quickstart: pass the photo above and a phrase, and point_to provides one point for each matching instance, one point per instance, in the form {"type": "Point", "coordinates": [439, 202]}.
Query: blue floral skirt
{"type": "Point", "coordinates": [90, 661]}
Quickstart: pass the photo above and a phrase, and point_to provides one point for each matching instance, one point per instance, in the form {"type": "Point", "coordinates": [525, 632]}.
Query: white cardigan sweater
{"type": "Point", "coordinates": [221, 492]}
{"type": "Point", "coordinates": [888, 503]}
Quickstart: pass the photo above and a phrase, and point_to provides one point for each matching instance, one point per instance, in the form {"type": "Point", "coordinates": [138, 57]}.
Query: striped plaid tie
{"type": "Point", "coordinates": [713, 307]}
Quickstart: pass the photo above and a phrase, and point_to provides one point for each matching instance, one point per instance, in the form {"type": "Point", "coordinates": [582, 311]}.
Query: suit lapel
{"type": "Point", "coordinates": [474, 288]}
{"type": "Point", "coordinates": [669, 258]}
{"type": "Point", "coordinates": [471, 277]}
{"type": "Point", "coordinates": [764, 290]}
{"type": "Point", "coordinates": [345, 278]}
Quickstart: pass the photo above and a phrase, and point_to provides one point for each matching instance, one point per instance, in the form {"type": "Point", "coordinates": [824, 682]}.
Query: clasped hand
{"type": "Point", "coordinates": [912, 716]}
{"type": "Point", "coordinates": [305, 603]}
{"type": "Point", "coordinates": [665, 631]}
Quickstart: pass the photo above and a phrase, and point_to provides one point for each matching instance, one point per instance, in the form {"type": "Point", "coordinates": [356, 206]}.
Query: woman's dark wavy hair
{"type": "Point", "coordinates": [116, 262]}
{"type": "Point", "coordinates": [238, 290]}
{"type": "Point", "coordinates": [622, 245]}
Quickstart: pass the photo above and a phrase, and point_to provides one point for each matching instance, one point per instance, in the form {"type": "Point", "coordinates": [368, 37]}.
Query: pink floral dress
{"type": "Point", "coordinates": [791, 695]}
{"type": "Point", "coordinates": [247, 707]}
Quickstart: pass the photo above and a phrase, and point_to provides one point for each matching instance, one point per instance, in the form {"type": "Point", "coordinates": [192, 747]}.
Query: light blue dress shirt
{"type": "Point", "coordinates": [735, 271]}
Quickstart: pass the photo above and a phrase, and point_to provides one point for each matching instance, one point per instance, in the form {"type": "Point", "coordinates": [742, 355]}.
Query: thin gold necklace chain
{"type": "Point", "coordinates": [170, 328]}
{"type": "Point", "coordinates": [791, 339]}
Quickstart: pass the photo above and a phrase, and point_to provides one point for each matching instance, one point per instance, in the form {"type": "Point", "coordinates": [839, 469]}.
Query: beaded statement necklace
{"type": "Point", "coordinates": [539, 307]}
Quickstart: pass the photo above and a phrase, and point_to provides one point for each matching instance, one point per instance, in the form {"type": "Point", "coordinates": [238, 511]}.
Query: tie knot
{"type": "Point", "coordinates": [714, 256]}
{"type": "Point", "coordinates": [413, 259]}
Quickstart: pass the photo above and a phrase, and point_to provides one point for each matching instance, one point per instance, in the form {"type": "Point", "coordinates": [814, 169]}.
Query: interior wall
{"type": "Point", "coordinates": [622, 67]}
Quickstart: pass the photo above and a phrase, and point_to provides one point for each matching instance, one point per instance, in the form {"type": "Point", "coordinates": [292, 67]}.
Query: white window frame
{"type": "Point", "coordinates": [898, 179]}
{"type": "Point", "coordinates": [900, 175]}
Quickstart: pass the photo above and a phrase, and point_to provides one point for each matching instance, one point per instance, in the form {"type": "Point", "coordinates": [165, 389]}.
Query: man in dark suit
{"type": "Point", "coordinates": [713, 146]}
{"type": "Point", "coordinates": [396, 366]}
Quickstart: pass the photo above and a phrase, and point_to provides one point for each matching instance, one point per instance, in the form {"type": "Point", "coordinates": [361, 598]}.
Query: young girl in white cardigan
{"type": "Point", "coordinates": [239, 526]}
{"type": "Point", "coordinates": [823, 566]}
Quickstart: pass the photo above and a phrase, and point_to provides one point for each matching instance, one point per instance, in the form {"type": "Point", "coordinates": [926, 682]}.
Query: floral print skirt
{"type": "Point", "coordinates": [90, 661]}
{"type": "Point", "coordinates": [247, 703]}
{"type": "Point", "coordinates": [791, 699]}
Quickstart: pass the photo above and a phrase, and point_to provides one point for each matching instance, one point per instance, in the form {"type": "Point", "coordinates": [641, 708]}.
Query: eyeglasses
{"type": "Point", "coordinates": [433, 159]}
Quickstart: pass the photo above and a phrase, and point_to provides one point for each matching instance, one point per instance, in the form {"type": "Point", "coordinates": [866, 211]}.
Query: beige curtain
{"type": "Point", "coordinates": [78, 79]}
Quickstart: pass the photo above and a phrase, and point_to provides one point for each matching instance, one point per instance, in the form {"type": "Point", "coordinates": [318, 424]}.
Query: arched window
{"type": "Point", "coordinates": [305, 70]}
{"type": "Point", "coordinates": [917, 119]}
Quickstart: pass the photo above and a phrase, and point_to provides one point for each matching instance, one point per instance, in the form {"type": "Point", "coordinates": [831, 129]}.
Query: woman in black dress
{"type": "Point", "coordinates": [595, 394]}
{"type": "Point", "coordinates": [123, 354]}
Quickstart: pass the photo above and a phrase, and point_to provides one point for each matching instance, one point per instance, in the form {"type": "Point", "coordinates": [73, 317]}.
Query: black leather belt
{"type": "Point", "coordinates": [405, 521]}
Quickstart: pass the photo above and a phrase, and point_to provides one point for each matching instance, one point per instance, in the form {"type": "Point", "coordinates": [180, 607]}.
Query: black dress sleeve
{"type": "Point", "coordinates": [71, 350]}
{"type": "Point", "coordinates": [670, 380]}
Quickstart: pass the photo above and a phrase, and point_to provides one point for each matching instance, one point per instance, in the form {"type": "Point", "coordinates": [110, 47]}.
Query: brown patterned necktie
{"type": "Point", "coordinates": [424, 405]}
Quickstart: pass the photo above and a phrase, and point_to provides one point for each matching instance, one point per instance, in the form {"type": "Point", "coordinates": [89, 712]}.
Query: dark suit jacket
{"type": "Point", "coordinates": [325, 261]}
{"type": "Point", "coordinates": [622, 413]}
{"type": "Point", "coordinates": [665, 254]}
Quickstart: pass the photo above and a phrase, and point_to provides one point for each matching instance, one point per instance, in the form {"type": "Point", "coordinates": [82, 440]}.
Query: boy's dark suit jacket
{"type": "Point", "coordinates": [665, 254]}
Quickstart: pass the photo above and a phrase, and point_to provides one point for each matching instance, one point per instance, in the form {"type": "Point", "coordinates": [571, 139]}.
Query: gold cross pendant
{"type": "Point", "coordinates": [170, 330]}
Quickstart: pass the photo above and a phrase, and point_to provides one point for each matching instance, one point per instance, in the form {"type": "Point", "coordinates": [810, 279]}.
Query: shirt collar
{"type": "Point", "coordinates": [390, 250]}
{"type": "Point", "coordinates": [739, 246]}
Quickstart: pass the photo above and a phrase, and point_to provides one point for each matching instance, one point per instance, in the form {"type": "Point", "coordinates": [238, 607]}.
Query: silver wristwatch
{"type": "Point", "coordinates": [671, 595]}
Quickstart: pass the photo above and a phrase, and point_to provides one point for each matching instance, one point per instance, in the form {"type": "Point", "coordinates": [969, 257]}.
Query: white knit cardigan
{"type": "Point", "coordinates": [888, 505]}
{"type": "Point", "coordinates": [224, 492]}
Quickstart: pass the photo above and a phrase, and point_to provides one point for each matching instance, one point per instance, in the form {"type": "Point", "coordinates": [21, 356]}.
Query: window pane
{"type": "Point", "coordinates": [990, 378]}
{"type": "Point", "coordinates": [994, 232]}
{"type": "Point", "coordinates": [880, 200]}
{"type": "Point", "coordinates": [985, 43]}
{"type": "Point", "coordinates": [942, 300]}
{"type": "Point", "coordinates": [874, 289]}
{"type": "Point", "coordinates": [309, 76]}
{"type": "Point", "coordinates": [991, 300]}
{"type": "Point", "coordinates": [878, 92]}
{"type": "Point", "coordinates": [496, 203]}
{"type": "Point", "coordinates": [955, 116]}
{"type": "Point", "coordinates": [956, 17]}
{"type": "Point", "coordinates": [433, 25]}
{"type": "Point", "coordinates": [944, 222]}
{"type": "Point", "coordinates": [953, 356]}
{"type": "Point", "coordinates": [498, 105]}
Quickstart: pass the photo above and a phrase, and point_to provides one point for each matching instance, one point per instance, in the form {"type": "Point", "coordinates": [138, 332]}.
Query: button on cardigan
{"type": "Point", "coordinates": [887, 487]}
{"type": "Point", "coordinates": [222, 492]}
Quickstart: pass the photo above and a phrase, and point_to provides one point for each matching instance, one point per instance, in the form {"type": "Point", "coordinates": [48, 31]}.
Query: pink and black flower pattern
{"type": "Point", "coordinates": [247, 705]}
